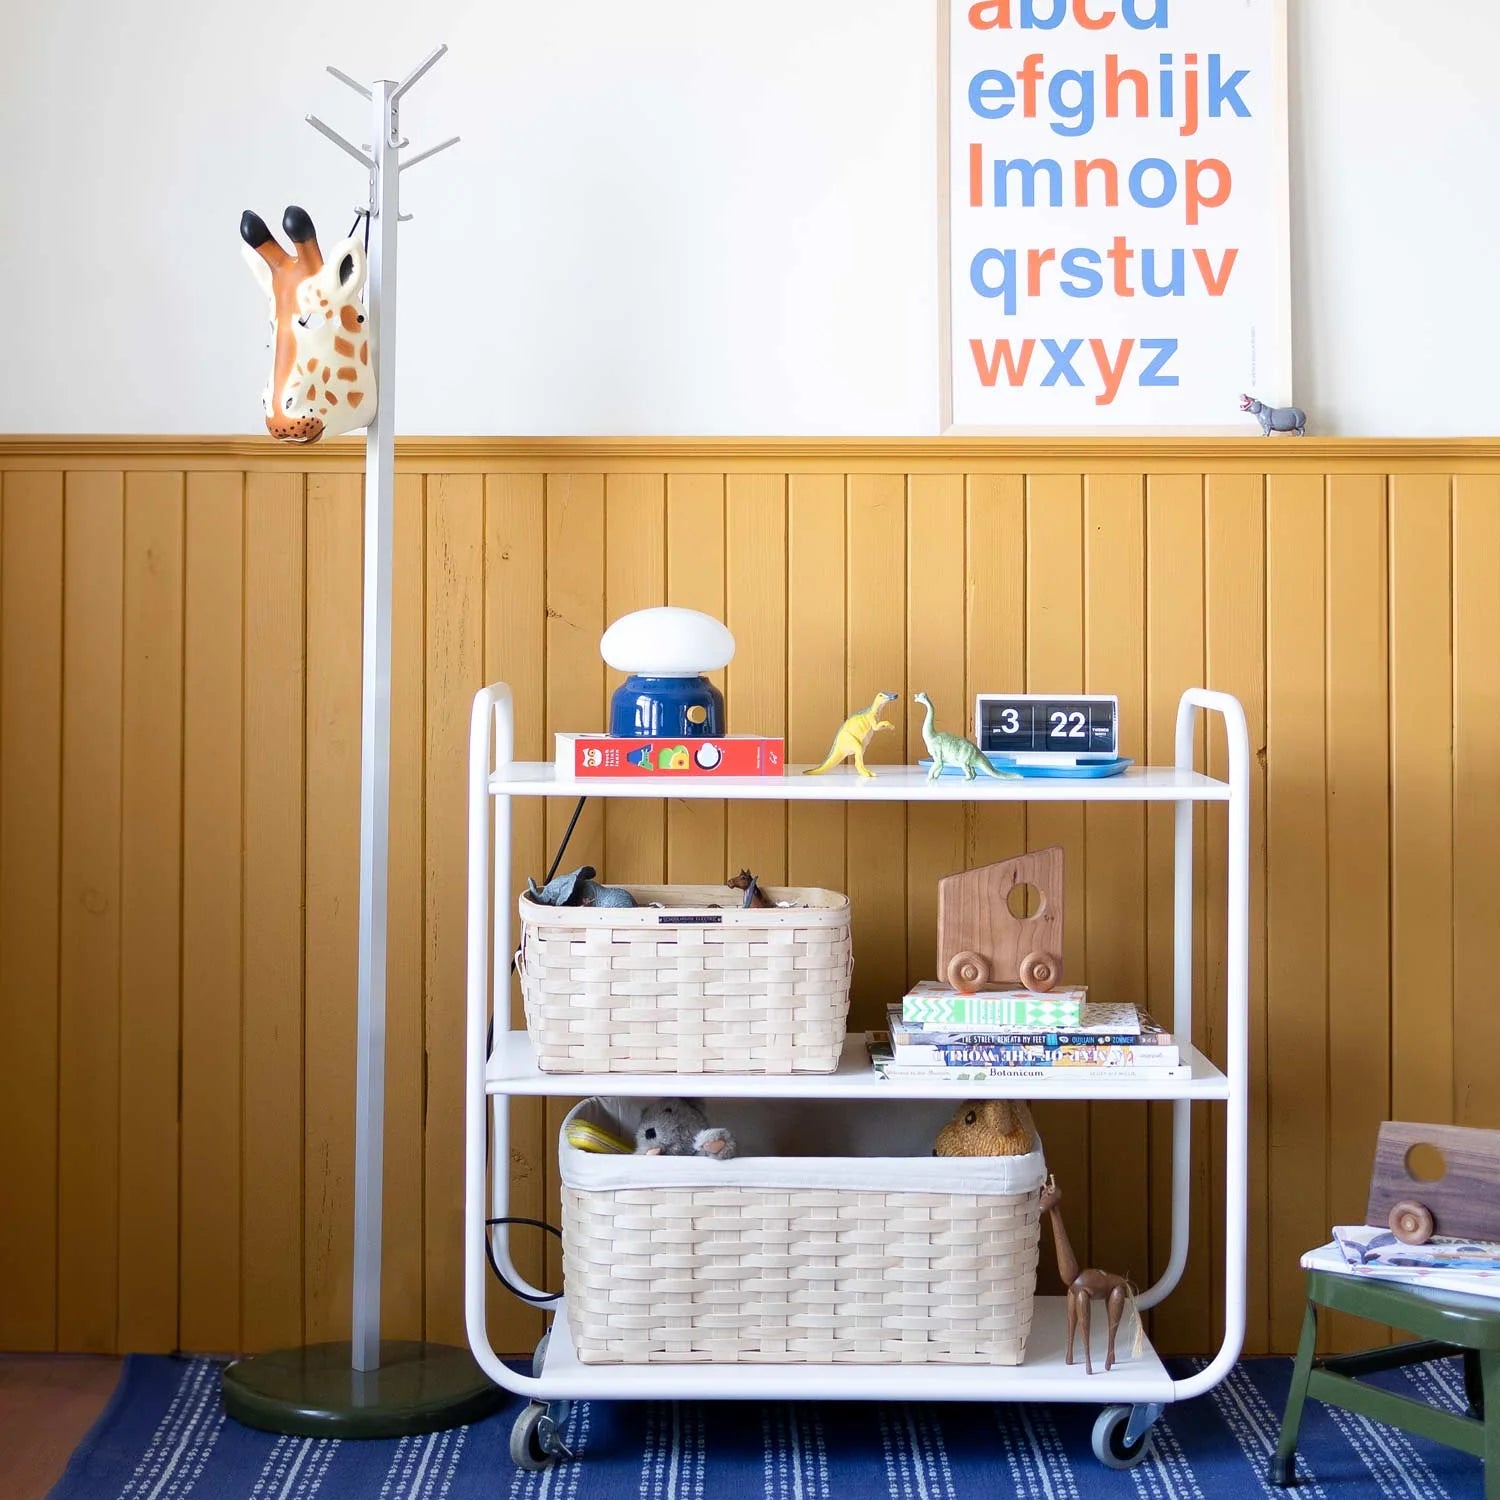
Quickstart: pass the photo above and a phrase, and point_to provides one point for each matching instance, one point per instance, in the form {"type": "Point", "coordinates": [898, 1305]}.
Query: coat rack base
{"type": "Point", "coordinates": [315, 1391]}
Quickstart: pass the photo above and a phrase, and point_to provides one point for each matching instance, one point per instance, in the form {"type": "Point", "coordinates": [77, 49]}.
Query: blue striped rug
{"type": "Point", "coordinates": [164, 1437]}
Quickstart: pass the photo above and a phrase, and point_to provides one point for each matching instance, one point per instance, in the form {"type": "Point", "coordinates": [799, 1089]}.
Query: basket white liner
{"type": "Point", "coordinates": [877, 1146]}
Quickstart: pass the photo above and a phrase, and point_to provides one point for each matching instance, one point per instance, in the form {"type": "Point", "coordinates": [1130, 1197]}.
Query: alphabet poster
{"type": "Point", "coordinates": [1116, 219]}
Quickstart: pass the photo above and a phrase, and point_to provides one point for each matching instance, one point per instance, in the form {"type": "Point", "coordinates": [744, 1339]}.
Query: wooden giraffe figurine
{"type": "Point", "coordinates": [854, 734]}
{"type": "Point", "coordinates": [322, 376]}
{"type": "Point", "coordinates": [1083, 1286]}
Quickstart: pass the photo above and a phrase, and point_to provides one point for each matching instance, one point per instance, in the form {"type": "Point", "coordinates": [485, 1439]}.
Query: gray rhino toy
{"type": "Point", "coordinates": [1275, 418]}
{"type": "Point", "coordinates": [578, 888]}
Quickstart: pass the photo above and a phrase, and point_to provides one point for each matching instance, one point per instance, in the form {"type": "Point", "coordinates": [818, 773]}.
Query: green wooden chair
{"type": "Point", "coordinates": [1446, 1323]}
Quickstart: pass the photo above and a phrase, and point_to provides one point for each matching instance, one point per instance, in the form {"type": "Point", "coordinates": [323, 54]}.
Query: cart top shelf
{"type": "Point", "coordinates": [530, 778]}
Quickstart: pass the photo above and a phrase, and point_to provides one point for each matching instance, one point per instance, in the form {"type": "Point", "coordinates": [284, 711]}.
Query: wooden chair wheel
{"type": "Point", "coordinates": [1039, 971]}
{"type": "Point", "coordinates": [968, 971]}
{"type": "Point", "coordinates": [1411, 1222]}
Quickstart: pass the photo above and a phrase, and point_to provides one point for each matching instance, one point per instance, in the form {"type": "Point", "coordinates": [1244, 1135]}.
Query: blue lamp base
{"type": "Point", "coordinates": [666, 707]}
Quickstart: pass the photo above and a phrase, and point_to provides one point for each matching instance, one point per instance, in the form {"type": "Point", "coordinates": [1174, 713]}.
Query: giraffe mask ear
{"type": "Point", "coordinates": [349, 261]}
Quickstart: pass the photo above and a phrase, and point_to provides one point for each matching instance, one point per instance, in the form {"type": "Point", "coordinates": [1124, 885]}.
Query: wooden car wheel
{"type": "Point", "coordinates": [1411, 1222]}
{"type": "Point", "coordinates": [968, 971]}
{"type": "Point", "coordinates": [1039, 971]}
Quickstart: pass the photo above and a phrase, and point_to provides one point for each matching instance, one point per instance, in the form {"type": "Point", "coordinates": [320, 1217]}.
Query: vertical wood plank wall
{"type": "Point", "coordinates": [179, 721]}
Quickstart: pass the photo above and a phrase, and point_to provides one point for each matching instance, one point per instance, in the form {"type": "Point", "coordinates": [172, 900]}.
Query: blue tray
{"type": "Point", "coordinates": [1090, 770]}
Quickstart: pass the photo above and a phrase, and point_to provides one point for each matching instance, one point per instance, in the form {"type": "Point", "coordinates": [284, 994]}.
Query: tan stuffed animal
{"type": "Point", "coordinates": [987, 1127]}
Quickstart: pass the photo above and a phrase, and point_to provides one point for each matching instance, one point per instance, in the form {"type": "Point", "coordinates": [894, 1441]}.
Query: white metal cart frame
{"type": "Point", "coordinates": [1136, 1389]}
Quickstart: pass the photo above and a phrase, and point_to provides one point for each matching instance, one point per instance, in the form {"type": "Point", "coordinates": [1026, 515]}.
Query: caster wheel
{"type": "Point", "coordinates": [1281, 1470]}
{"type": "Point", "coordinates": [526, 1449]}
{"type": "Point", "coordinates": [540, 1356]}
{"type": "Point", "coordinates": [968, 971]}
{"type": "Point", "coordinates": [1411, 1222]}
{"type": "Point", "coordinates": [536, 1438]}
{"type": "Point", "coordinates": [1110, 1447]}
{"type": "Point", "coordinates": [1039, 971]}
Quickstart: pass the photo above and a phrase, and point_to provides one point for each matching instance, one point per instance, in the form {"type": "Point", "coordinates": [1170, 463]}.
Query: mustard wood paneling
{"type": "Point", "coordinates": [151, 907]}
{"type": "Point", "coordinates": [31, 679]}
{"type": "Point", "coordinates": [272, 1250]}
{"type": "Point", "coordinates": [1359, 849]}
{"type": "Point", "coordinates": [1476, 798]}
{"type": "Point", "coordinates": [1297, 881]}
{"type": "Point", "coordinates": [1421, 605]}
{"type": "Point", "coordinates": [179, 756]}
{"type": "Point", "coordinates": [212, 907]}
{"type": "Point", "coordinates": [96, 557]}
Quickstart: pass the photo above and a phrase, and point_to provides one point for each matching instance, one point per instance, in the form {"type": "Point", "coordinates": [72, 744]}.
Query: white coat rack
{"type": "Point", "coordinates": [366, 1388]}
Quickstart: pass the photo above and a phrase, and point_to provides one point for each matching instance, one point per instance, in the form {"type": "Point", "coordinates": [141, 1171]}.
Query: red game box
{"type": "Point", "coordinates": [728, 755]}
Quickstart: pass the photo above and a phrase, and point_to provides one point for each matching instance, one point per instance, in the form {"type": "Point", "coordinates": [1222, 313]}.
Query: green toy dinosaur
{"type": "Point", "coordinates": [951, 750]}
{"type": "Point", "coordinates": [854, 734]}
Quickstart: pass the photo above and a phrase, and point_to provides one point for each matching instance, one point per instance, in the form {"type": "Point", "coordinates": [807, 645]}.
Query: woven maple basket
{"type": "Point", "coordinates": [767, 1260]}
{"type": "Point", "coordinates": [694, 983]}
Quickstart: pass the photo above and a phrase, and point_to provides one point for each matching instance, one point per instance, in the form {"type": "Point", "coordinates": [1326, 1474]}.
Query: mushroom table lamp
{"type": "Point", "coordinates": [664, 653]}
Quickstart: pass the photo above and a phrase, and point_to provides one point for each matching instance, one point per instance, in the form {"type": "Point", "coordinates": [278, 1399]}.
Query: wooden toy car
{"type": "Point", "coordinates": [983, 940]}
{"type": "Point", "coordinates": [1436, 1179]}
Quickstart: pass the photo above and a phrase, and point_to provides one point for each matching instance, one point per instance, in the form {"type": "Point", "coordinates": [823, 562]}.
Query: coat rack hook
{"type": "Point", "coordinates": [430, 151]}
{"type": "Point", "coordinates": [343, 145]}
{"type": "Point", "coordinates": [353, 83]}
{"type": "Point", "coordinates": [419, 70]}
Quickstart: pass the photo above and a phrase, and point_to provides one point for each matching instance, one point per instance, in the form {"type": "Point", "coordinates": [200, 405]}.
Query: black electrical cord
{"type": "Point", "coordinates": [567, 834]}
{"type": "Point", "coordinates": [489, 1255]}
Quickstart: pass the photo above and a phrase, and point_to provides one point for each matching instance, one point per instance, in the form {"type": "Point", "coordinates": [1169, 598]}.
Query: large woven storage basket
{"type": "Point", "coordinates": [799, 1260]}
{"type": "Point", "coordinates": [693, 984]}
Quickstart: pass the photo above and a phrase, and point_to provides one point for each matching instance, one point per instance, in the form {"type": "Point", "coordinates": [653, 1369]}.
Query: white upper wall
{"type": "Point", "coordinates": [672, 216]}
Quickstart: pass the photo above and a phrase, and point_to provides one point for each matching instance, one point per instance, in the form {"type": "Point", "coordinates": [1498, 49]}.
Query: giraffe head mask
{"type": "Point", "coordinates": [323, 377]}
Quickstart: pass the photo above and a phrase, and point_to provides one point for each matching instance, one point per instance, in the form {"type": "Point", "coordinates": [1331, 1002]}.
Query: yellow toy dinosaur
{"type": "Point", "coordinates": [854, 734]}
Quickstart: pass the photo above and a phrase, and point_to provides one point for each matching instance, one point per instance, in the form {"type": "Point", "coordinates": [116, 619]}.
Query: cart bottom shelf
{"type": "Point", "coordinates": [1043, 1377]}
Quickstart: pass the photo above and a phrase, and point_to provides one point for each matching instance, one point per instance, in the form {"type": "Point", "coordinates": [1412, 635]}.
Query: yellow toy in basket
{"type": "Point", "coordinates": [582, 1136]}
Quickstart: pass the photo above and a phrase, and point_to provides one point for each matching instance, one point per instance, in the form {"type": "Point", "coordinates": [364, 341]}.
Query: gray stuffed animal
{"type": "Point", "coordinates": [1275, 418]}
{"type": "Point", "coordinates": [678, 1127]}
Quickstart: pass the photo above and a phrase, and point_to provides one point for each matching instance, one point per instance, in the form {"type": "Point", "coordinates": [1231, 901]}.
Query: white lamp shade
{"type": "Point", "coordinates": [667, 642]}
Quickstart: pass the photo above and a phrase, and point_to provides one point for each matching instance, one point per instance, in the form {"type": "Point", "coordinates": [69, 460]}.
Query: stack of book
{"type": "Point", "coordinates": [1447, 1264]}
{"type": "Point", "coordinates": [1011, 1032]}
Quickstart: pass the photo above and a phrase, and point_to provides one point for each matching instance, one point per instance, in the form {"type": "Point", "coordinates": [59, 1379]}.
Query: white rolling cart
{"type": "Point", "coordinates": [1137, 1389]}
